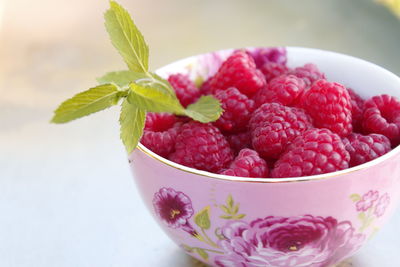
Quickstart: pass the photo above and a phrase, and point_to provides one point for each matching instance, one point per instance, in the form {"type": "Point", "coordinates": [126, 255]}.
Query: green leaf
{"type": "Point", "coordinates": [355, 197]}
{"type": "Point", "coordinates": [226, 217]}
{"type": "Point", "coordinates": [154, 100]}
{"type": "Point", "coordinates": [229, 201]}
{"type": "Point", "coordinates": [202, 253]}
{"type": "Point", "coordinates": [361, 216]}
{"type": "Point", "coordinates": [121, 78]}
{"type": "Point", "coordinates": [240, 216]}
{"type": "Point", "coordinates": [160, 82]}
{"type": "Point", "coordinates": [126, 38]}
{"type": "Point", "coordinates": [225, 209]}
{"type": "Point", "coordinates": [132, 123]}
{"type": "Point", "coordinates": [202, 218]}
{"type": "Point", "coordinates": [206, 109]}
{"type": "Point", "coordinates": [87, 102]}
{"type": "Point", "coordinates": [235, 209]}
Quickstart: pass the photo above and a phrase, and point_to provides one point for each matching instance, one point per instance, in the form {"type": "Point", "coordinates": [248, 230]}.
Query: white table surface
{"type": "Point", "coordinates": [67, 198]}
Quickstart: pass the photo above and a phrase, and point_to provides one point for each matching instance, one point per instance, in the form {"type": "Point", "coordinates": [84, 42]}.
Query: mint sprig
{"type": "Point", "coordinates": [88, 102]}
{"type": "Point", "coordinates": [127, 38]}
{"type": "Point", "coordinates": [139, 89]}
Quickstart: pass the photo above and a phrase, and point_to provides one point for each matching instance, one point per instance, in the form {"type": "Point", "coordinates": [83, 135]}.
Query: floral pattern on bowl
{"type": "Point", "coordinates": [298, 241]}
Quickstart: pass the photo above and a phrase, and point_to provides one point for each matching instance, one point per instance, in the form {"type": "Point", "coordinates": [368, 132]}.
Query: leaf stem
{"type": "Point", "coordinates": [208, 239]}
{"type": "Point", "coordinates": [209, 250]}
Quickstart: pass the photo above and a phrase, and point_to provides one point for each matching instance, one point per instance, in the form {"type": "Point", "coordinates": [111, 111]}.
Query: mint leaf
{"type": "Point", "coordinates": [154, 99]}
{"type": "Point", "coordinates": [121, 78]}
{"type": "Point", "coordinates": [87, 102]}
{"type": "Point", "coordinates": [132, 121]}
{"type": "Point", "coordinates": [206, 109]}
{"type": "Point", "coordinates": [126, 38]}
{"type": "Point", "coordinates": [158, 81]}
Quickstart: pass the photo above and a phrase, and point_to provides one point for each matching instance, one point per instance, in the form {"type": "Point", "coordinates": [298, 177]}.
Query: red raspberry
{"type": "Point", "coordinates": [160, 132]}
{"type": "Point", "coordinates": [272, 70]}
{"type": "Point", "coordinates": [269, 54]}
{"type": "Point", "coordinates": [309, 73]}
{"type": "Point", "coordinates": [364, 148]}
{"type": "Point", "coordinates": [316, 151]}
{"type": "Point", "coordinates": [329, 105]}
{"type": "Point", "coordinates": [273, 126]}
{"type": "Point", "coordinates": [357, 107]}
{"type": "Point", "coordinates": [202, 146]}
{"type": "Point", "coordinates": [185, 89]}
{"type": "Point", "coordinates": [284, 89]}
{"type": "Point", "coordinates": [239, 71]}
{"type": "Point", "coordinates": [382, 115]}
{"type": "Point", "coordinates": [205, 88]}
{"type": "Point", "coordinates": [237, 110]}
{"type": "Point", "coordinates": [248, 164]}
{"type": "Point", "coordinates": [239, 141]}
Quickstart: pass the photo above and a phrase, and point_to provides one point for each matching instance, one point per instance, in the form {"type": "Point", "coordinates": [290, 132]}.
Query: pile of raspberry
{"type": "Point", "coordinates": [277, 121]}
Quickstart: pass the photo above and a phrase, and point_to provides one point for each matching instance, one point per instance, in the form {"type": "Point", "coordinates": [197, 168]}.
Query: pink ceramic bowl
{"type": "Point", "coordinates": [310, 221]}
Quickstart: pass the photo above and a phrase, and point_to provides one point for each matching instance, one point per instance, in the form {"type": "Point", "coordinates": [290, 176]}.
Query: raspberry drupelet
{"type": "Point", "coordinates": [382, 115]}
{"type": "Point", "coordinates": [284, 89]}
{"type": "Point", "coordinates": [364, 148]}
{"type": "Point", "coordinates": [357, 108]}
{"type": "Point", "coordinates": [160, 132]}
{"type": "Point", "coordinates": [239, 141]}
{"type": "Point", "coordinates": [309, 73]}
{"type": "Point", "coordinates": [239, 71]}
{"type": "Point", "coordinates": [329, 105]}
{"type": "Point", "coordinates": [274, 126]}
{"type": "Point", "coordinates": [237, 110]}
{"type": "Point", "coordinates": [202, 146]}
{"type": "Point", "coordinates": [272, 70]}
{"type": "Point", "coordinates": [316, 151]}
{"type": "Point", "coordinates": [248, 164]}
{"type": "Point", "coordinates": [185, 89]}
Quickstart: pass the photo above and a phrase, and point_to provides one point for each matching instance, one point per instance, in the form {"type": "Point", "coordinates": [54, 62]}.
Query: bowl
{"type": "Point", "coordinates": [301, 222]}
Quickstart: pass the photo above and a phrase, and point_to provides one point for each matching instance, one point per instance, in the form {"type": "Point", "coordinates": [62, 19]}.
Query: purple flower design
{"type": "Point", "coordinates": [383, 203]}
{"type": "Point", "coordinates": [304, 241]}
{"type": "Point", "coordinates": [174, 208]}
{"type": "Point", "coordinates": [367, 200]}
{"type": "Point", "coordinates": [269, 54]}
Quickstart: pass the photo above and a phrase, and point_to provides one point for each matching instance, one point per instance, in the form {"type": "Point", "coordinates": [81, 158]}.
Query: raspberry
{"type": "Point", "coordinates": [382, 115]}
{"type": "Point", "coordinates": [329, 105]}
{"type": "Point", "coordinates": [185, 89]}
{"type": "Point", "coordinates": [237, 110]}
{"type": "Point", "coordinates": [284, 89]}
{"type": "Point", "coordinates": [309, 73]}
{"type": "Point", "coordinates": [160, 132]}
{"type": "Point", "coordinates": [248, 164]}
{"type": "Point", "coordinates": [273, 126]}
{"type": "Point", "coordinates": [205, 88]}
{"type": "Point", "coordinates": [239, 71]}
{"type": "Point", "coordinates": [269, 54]}
{"type": "Point", "coordinates": [239, 141]}
{"type": "Point", "coordinates": [202, 146]}
{"type": "Point", "coordinates": [364, 148]}
{"type": "Point", "coordinates": [272, 70]}
{"type": "Point", "coordinates": [316, 151]}
{"type": "Point", "coordinates": [357, 106]}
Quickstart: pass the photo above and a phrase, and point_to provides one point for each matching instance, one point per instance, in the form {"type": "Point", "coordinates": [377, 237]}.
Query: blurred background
{"type": "Point", "coordinates": [66, 195]}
